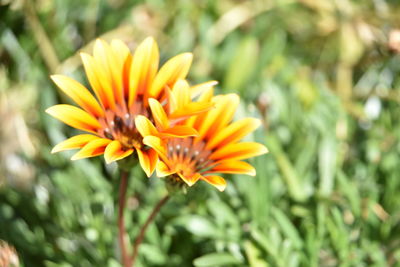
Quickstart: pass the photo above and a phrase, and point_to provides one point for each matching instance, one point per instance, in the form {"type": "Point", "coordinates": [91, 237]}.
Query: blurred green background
{"type": "Point", "coordinates": [322, 75]}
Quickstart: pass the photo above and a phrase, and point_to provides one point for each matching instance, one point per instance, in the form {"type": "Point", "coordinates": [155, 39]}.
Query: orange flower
{"type": "Point", "coordinates": [216, 148]}
{"type": "Point", "coordinates": [123, 85]}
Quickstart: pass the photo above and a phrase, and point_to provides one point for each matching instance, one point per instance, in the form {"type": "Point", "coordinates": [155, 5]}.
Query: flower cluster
{"type": "Point", "coordinates": [183, 132]}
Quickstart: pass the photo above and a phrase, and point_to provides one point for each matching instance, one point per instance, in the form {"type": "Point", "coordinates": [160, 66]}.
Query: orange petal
{"type": "Point", "coordinates": [114, 151]}
{"type": "Point", "coordinates": [159, 114]}
{"type": "Point", "coordinates": [77, 141]}
{"type": "Point", "coordinates": [217, 118]}
{"type": "Point", "coordinates": [99, 80]}
{"type": "Point", "coordinates": [199, 89]}
{"type": "Point", "coordinates": [216, 181]}
{"type": "Point", "coordinates": [157, 144]}
{"type": "Point", "coordinates": [144, 68]}
{"type": "Point", "coordinates": [190, 180]}
{"type": "Point", "coordinates": [233, 133]}
{"type": "Point", "coordinates": [148, 160]}
{"type": "Point", "coordinates": [145, 126]}
{"type": "Point", "coordinates": [74, 117]}
{"type": "Point", "coordinates": [92, 149]}
{"type": "Point", "coordinates": [239, 151]}
{"type": "Point", "coordinates": [174, 69]}
{"type": "Point", "coordinates": [79, 94]}
{"type": "Point", "coordinates": [162, 169]}
{"type": "Point", "coordinates": [178, 131]}
{"type": "Point", "coordinates": [233, 166]}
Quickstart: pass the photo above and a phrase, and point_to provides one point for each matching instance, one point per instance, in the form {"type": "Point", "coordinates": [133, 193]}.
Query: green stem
{"type": "Point", "coordinates": [143, 229]}
{"type": "Point", "coordinates": [121, 225]}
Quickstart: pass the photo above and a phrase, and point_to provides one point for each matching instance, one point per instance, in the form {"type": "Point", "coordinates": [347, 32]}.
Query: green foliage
{"type": "Point", "coordinates": [323, 77]}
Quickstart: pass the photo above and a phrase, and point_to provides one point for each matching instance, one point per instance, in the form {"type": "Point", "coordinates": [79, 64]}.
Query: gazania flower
{"type": "Point", "coordinates": [216, 148]}
{"type": "Point", "coordinates": [123, 84]}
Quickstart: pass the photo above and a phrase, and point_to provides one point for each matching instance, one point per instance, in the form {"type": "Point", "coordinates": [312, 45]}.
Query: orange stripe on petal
{"type": "Point", "coordinates": [114, 151]}
{"type": "Point", "coordinates": [144, 68]}
{"type": "Point", "coordinates": [159, 114]}
{"type": "Point", "coordinates": [77, 141]}
{"type": "Point", "coordinates": [216, 181]}
{"type": "Point", "coordinates": [239, 151]}
{"type": "Point", "coordinates": [233, 133]}
{"type": "Point", "coordinates": [235, 167]}
{"type": "Point", "coordinates": [79, 94]}
{"type": "Point", "coordinates": [148, 160]}
{"type": "Point", "coordinates": [174, 69]}
{"type": "Point", "coordinates": [92, 149]}
{"type": "Point", "coordinates": [74, 117]}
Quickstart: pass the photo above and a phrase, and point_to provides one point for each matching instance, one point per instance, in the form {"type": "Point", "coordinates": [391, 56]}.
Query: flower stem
{"type": "Point", "coordinates": [142, 232]}
{"type": "Point", "coordinates": [123, 186]}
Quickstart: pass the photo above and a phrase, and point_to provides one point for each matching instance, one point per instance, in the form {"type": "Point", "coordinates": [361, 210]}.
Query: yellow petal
{"type": "Point", "coordinates": [181, 95]}
{"type": "Point", "coordinates": [233, 166]}
{"type": "Point", "coordinates": [238, 151]}
{"type": "Point", "coordinates": [162, 169]}
{"type": "Point", "coordinates": [216, 181]}
{"type": "Point", "coordinates": [114, 151]}
{"type": "Point", "coordinates": [174, 69]}
{"type": "Point", "coordinates": [145, 126]}
{"type": "Point", "coordinates": [92, 149]}
{"type": "Point", "coordinates": [178, 131]}
{"type": "Point", "coordinates": [74, 117]}
{"type": "Point", "coordinates": [122, 53]}
{"type": "Point", "coordinates": [191, 109]}
{"type": "Point", "coordinates": [190, 180]}
{"type": "Point", "coordinates": [196, 121]}
{"type": "Point", "coordinates": [157, 144]}
{"type": "Point", "coordinates": [159, 115]}
{"type": "Point", "coordinates": [220, 116]}
{"type": "Point", "coordinates": [79, 94]}
{"type": "Point", "coordinates": [144, 68]}
{"type": "Point", "coordinates": [112, 66]}
{"type": "Point", "coordinates": [99, 80]}
{"type": "Point", "coordinates": [233, 133]}
{"type": "Point", "coordinates": [77, 141]}
{"type": "Point", "coordinates": [148, 160]}
{"type": "Point", "coordinates": [199, 89]}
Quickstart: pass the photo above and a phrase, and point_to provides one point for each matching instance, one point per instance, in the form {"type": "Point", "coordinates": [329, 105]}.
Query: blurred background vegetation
{"type": "Point", "coordinates": [322, 75]}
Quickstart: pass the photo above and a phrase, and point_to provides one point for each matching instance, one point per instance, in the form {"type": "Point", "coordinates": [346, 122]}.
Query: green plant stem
{"type": "Point", "coordinates": [143, 229]}
{"type": "Point", "coordinates": [121, 225]}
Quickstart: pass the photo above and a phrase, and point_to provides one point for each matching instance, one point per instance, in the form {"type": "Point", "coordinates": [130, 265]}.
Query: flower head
{"type": "Point", "coordinates": [216, 148]}
{"type": "Point", "coordinates": [125, 86]}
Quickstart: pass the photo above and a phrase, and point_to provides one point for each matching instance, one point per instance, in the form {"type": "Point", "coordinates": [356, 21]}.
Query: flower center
{"type": "Point", "coordinates": [187, 157]}
{"type": "Point", "coordinates": [120, 125]}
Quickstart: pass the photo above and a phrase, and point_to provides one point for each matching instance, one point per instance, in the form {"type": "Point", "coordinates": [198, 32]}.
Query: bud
{"type": "Point", "coordinates": [175, 185]}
